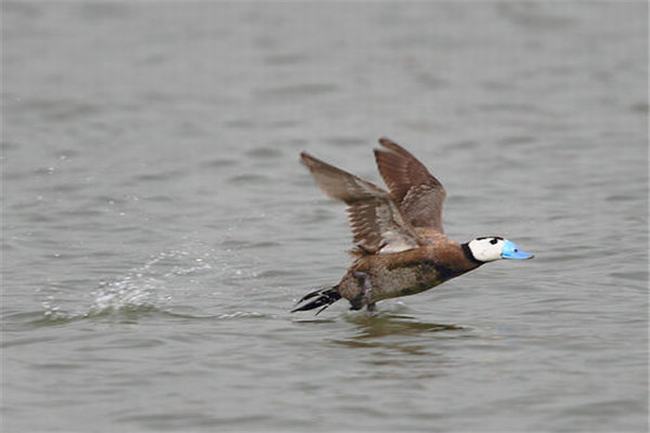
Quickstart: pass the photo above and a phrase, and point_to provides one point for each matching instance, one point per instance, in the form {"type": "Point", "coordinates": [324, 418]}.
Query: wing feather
{"type": "Point", "coordinates": [417, 192]}
{"type": "Point", "coordinates": [376, 221]}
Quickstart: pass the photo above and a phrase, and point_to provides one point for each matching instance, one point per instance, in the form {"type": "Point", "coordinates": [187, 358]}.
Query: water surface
{"type": "Point", "coordinates": [157, 226]}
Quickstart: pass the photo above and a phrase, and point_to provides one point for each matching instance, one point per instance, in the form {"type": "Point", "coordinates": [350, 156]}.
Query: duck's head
{"type": "Point", "coordinates": [491, 248]}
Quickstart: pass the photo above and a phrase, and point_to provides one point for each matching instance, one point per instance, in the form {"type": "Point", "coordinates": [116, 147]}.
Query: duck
{"type": "Point", "coordinates": [400, 247]}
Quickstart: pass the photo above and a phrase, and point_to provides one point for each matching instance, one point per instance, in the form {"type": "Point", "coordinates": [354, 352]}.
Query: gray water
{"type": "Point", "coordinates": [157, 226]}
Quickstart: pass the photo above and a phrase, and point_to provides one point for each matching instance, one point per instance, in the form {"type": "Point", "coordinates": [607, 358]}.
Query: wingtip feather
{"type": "Point", "coordinates": [394, 147]}
{"type": "Point", "coordinates": [304, 157]}
{"type": "Point", "coordinates": [311, 162]}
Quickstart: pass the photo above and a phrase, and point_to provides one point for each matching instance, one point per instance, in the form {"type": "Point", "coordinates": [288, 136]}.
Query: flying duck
{"type": "Point", "coordinates": [400, 246]}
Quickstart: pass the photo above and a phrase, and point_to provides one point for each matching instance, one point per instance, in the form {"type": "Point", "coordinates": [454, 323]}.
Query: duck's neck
{"type": "Point", "coordinates": [467, 251]}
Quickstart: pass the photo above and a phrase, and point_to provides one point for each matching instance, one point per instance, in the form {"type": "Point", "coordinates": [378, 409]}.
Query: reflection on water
{"type": "Point", "coordinates": [387, 324]}
{"type": "Point", "coordinates": [372, 331]}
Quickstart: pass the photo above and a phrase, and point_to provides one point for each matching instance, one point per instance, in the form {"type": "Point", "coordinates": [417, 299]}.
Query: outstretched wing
{"type": "Point", "coordinates": [418, 194]}
{"type": "Point", "coordinates": [376, 222]}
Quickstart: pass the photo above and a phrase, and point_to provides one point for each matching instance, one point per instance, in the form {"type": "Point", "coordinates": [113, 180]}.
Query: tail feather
{"type": "Point", "coordinates": [325, 298]}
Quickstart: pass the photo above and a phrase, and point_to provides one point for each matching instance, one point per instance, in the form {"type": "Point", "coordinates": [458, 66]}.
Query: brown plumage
{"type": "Point", "coordinates": [418, 193]}
{"type": "Point", "coordinates": [401, 248]}
{"type": "Point", "coordinates": [375, 219]}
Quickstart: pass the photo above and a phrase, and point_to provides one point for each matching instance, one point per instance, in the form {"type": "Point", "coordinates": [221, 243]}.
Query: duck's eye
{"type": "Point", "coordinates": [493, 241]}
{"type": "Point", "coordinates": [516, 250]}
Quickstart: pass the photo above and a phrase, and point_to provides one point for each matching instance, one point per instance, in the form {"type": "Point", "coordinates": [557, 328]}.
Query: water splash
{"type": "Point", "coordinates": [129, 292]}
{"type": "Point", "coordinates": [146, 288]}
{"type": "Point", "coordinates": [166, 283]}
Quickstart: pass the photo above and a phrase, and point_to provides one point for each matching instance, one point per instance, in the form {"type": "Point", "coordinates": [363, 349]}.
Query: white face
{"type": "Point", "coordinates": [487, 249]}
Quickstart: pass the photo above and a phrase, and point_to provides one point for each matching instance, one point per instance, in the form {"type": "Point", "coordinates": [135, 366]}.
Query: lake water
{"type": "Point", "coordinates": [157, 226]}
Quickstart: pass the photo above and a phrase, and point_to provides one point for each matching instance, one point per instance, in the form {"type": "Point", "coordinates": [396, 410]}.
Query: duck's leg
{"type": "Point", "coordinates": [366, 292]}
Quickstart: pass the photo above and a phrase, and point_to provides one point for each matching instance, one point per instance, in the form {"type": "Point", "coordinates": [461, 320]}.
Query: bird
{"type": "Point", "coordinates": [400, 247]}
